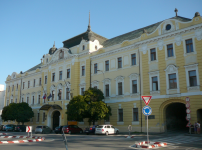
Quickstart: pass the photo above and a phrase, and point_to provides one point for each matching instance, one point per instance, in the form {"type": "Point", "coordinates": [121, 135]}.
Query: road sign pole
{"type": "Point", "coordinates": [147, 132]}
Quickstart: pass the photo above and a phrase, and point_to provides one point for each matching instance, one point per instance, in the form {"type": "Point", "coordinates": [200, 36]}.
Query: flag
{"type": "Point", "coordinates": [49, 96]}
{"type": "Point", "coordinates": [44, 97]}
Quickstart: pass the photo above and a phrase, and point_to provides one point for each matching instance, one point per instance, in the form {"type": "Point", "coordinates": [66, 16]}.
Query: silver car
{"type": "Point", "coordinates": [42, 129]}
{"type": "Point", "coordinates": [106, 129]}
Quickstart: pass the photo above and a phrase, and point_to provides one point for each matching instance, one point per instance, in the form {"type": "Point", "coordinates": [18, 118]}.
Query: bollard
{"type": "Point", "coordinates": [64, 139]}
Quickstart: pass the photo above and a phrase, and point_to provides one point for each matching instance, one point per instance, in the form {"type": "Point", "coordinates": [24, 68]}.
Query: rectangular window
{"type": "Point", "coordinates": [153, 54]}
{"type": "Point", "coordinates": [43, 116]}
{"type": "Point", "coordinates": [45, 79]}
{"type": "Point", "coordinates": [172, 81]}
{"type": "Point", "coordinates": [27, 100]}
{"type": "Point", "coordinates": [82, 91]}
{"type": "Point", "coordinates": [120, 88]}
{"type": "Point", "coordinates": [68, 73]}
{"type": "Point", "coordinates": [60, 94]}
{"type": "Point", "coordinates": [53, 76]}
{"type": "Point", "coordinates": [135, 114]}
{"type": "Point", "coordinates": [67, 93]}
{"type": "Point", "coordinates": [38, 117]}
{"type": "Point", "coordinates": [23, 86]}
{"type": "Point", "coordinates": [107, 65]}
{"type": "Point", "coordinates": [39, 81]}
{"type": "Point", "coordinates": [189, 46]}
{"type": "Point", "coordinates": [22, 99]}
{"type": "Point", "coordinates": [120, 114]}
{"type": "Point", "coordinates": [9, 89]}
{"type": "Point", "coordinates": [83, 71]}
{"type": "Point", "coordinates": [33, 100]}
{"type": "Point", "coordinates": [133, 59]}
{"type": "Point", "coordinates": [95, 68]}
{"type": "Point", "coordinates": [107, 90]}
{"type": "Point", "coordinates": [134, 86]}
{"type": "Point", "coordinates": [170, 50]}
{"type": "Point", "coordinates": [154, 84]}
{"type": "Point", "coordinates": [17, 87]}
{"type": "Point", "coordinates": [192, 78]}
{"type": "Point", "coordinates": [12, 87]}
{"type": "Point", "coordinates": [120, 62]}
{"type": "Point", "coordinates": [53, 94]}
{"type": "Point", "coordinates": [28, 84]}
{"type": "Point", "coordinates": [39, 97]}
{"type": "Point", "coordinates": [11, 100]}
{"type": "Point", "coordinates": [60, 75]}
{"type": "Point", "coordinates": [34, 83]}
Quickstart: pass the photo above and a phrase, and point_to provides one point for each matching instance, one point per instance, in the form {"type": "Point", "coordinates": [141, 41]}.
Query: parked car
{"type": "Point", "coordinates": [20, 128]}
{"type": "Point", "coordinates": [1, 127]}
{"type": "Point", "coordinates": [106, 129]}
{"type": "Point", "coordinates": [72, 129]}
{"type": "Point", "coordinates": [42, 129]}
{"type": "Point", "coordinates": [58, 129]}
{"type": "Point", "coordinates": [9, 127]}
{"type": "Point", "coordinates": [91, 129]}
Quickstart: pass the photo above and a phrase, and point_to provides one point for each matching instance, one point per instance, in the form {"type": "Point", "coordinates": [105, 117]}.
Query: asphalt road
{"type": "Point", "coordinates": [177, 141]}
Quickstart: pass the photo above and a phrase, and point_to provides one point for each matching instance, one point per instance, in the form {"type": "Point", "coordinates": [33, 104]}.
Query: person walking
{"type": "Point", "coordinates": [198, 127]}
{"type": "Point", "coordinates": [195, 127]}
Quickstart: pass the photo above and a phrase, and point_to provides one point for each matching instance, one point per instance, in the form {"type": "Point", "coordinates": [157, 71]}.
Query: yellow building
{"type": "Point", "coordinates": [162, 60]}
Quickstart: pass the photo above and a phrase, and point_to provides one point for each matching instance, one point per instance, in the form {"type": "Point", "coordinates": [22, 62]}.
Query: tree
{"type": "Point", "coordinates": [21, 112]}
{"type": "Point", "coordinates": [90, 106]}
{"type": "Point", "coordinates": [24, 113]}
{"type": "Point", "coordinates": [76, 108]}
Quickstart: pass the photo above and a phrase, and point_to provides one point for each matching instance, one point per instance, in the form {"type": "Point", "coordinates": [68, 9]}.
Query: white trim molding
{"type": "Point", "coordinates": [154, 74]}
{"type": "Point", "coordinates": [171, 69]}
{"type": "Point", "coordinates": [95, 83]}
{"type": "Point", "coordinates": [190, 68]}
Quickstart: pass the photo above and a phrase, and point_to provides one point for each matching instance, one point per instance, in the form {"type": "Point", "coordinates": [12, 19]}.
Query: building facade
{"type": "Point", "coordinates": [162, 60]}
{"type": "Point", "coordinates": [2, 99]}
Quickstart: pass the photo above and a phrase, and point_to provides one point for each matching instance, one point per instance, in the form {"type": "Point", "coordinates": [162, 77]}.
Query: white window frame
{"type": "Point", "coordinates": [95, 83]}
{"type": "Point", "coordinates": [171, 69]}
{"type": "Point", "coordinates": [135, 122]}
{"type": "Point", "coordinates": [166, 50]}
{"type": "Point", "coordinates": [59, 87]}
{"type": "Point", "coordinates": [149, 54]}
{"type": "Point", "coordinates": [70, 73]}
{"type": "Point", "coordinates": [118, 63]}
{"type": "Point", "coordinates": [52, 77]}
{"type": "Point", "coordinates": [59, 75]}
{"type": "Point", "coordinates": [184, 45]}
{"type": "Point", "coordinates": [154, 74]}
{"type": "Point", "coordinates": [137, 59]}
{"type": "Point", "coordinates": [82, 85]}
{"type": "Point", "coordinates": [134, 76]}
{"type": "Point", "coordinates": [105, 65]}
{"type": "Point", "coordinates": [105, 82]}
{"type": "Point", "coordinates": [84, 71]}
{"type": "Point", "coordinates": [119, 79]}
{"type": "Point", "coordinates": [68, 86]}
{"type": "Point", "coordinates": [52, 88]}
{"type": "Point", "coordinates": [119, 122]}
{"type": "Point", "coordinates": [190, 68]}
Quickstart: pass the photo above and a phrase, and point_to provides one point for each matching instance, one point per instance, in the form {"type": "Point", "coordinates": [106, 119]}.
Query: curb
{"type": "Point", "coordinates": [150, 145]}
{"type": "Point", "coordinates": [3, 133]}
{"type": "Point", "coordinates": [129, 137]}
{"type": "Point", "coordinates": [35, 139]}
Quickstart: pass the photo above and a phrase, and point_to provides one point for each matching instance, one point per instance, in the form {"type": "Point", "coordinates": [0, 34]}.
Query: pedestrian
{"type": "Point", "coordinates": [198, 127]}
{"type": "Point", "coordinates": [195, 127]}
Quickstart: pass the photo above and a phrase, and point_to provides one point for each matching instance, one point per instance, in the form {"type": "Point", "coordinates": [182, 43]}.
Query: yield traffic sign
{"type": "Point", "coordinates": [146, 99]}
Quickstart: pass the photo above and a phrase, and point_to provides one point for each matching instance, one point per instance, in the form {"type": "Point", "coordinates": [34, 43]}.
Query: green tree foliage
{"type": "Point", "coordinates": [21, 112]}
{"type": "Point", "coordinates": [90, 106]}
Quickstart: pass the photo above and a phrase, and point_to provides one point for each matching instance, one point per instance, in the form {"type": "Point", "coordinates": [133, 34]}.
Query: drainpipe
{"type": "Point", "coordinates": [140, 91]}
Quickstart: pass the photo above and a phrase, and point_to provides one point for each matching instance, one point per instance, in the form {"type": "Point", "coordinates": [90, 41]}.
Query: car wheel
{"type": "Point", "coordinates": [70, 132]}
{"type": "Point", "coordinates": [81, 132]}
{"type": "Point", "coordinates": [117, 132]}
{"type": "Point", "coordinates": [107, 133]}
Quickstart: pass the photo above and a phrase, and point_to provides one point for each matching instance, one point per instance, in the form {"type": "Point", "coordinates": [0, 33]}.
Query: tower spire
{"type": "Point", "coordinates": [89, 27]}
{"type": "Point", "coordinates": [176, 11]}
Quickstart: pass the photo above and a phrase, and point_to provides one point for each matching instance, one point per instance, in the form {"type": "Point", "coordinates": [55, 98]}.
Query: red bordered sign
{"type": "Point", "coordinates": [146, 99]}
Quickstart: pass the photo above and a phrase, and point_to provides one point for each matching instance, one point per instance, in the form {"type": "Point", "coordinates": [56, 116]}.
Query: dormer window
{"type": "Point", "coordinates": [96, 47]}
{"type": "Point", "coordinates": [83, 47]}
{"type": "Point", "coordinates": [61, 55]}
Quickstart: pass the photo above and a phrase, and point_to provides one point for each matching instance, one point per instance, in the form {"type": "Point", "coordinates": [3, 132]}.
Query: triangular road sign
{"type": "Point", "coordinates": [146, 99]}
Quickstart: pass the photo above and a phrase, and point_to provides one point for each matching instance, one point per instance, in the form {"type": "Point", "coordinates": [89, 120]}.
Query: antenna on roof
{"type": "Point", "coordinates": [176, 11]}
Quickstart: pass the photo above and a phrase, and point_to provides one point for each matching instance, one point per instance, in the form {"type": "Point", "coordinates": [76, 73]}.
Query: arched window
{"type": "Point", "coordinates": [83, 47]}
{"type": "Point", "coordinates": [96, 47]}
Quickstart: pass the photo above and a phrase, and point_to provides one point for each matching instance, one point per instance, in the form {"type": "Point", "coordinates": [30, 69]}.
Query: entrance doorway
{"type": "Point", "coordinates": [176, 117]}
{"type": "Point", "coordinates": [56, 119]}
{"type": "Point", "coordinates": [199, 115]}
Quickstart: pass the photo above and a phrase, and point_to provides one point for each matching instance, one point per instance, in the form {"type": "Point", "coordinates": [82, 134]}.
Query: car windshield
{"type": "Point", "coordinates": [39, 127]}
{"type": "Point", "coordinates": [100, 127]}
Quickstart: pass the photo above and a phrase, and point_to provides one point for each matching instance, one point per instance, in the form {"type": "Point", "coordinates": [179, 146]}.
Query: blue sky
{"type": "Point", "coordinates": [28, 28]}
